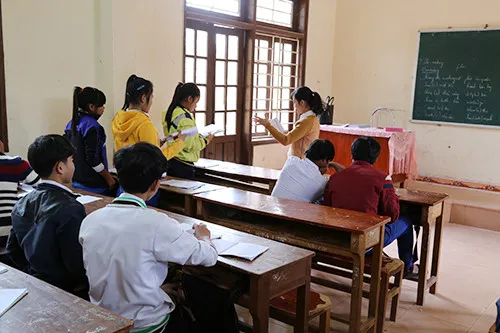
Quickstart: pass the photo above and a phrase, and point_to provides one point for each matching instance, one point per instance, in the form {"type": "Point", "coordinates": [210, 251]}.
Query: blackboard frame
{"type": "Point", "coordinates": [415, 69]}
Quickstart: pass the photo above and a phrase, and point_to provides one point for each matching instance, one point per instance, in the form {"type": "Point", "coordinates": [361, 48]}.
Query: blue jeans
{"type": "Point", "coordinates": [402, 230]}
{"type": "Point", "coordinates": [102, 191]}
{"type": "Point", "coordinates": [153, 202]}
{"type": "Point", "coordinates": [498, 317]}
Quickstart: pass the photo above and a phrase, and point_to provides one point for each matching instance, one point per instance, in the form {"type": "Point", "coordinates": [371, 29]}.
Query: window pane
{"type": "Point", "coordinates": [220, 46]}
{"type": "Point", "coordinates": [264, 14]}
{"type": "Point", "coordinates": [232, 73]}
{"type": "Point", "coordinates": [231, 123]}
{"type": "Point", "coordinates": [202, 103]}
{"type": "Point", "coordinates": [278, 12]}
{"type": "Point", "coordinates": [200, 117]}
{"type": "Point", "coordinates": [254, 103]}
{"type": "Point", "coordinates": [230, 7]}
{"type": "Point", "coordinates": [201, 43]}
{"type": "Point", "coordinates": [219, 98]}
{"type": "Point", "coordinates": [189, 42]}
{"type": "Point", "coordinates": [189, 70]}
{"type": "Point", "coordinates": [201, 71]}
{"type": "Point", "coordinates": [262, 95]}
{"type": "Point", "coordinates": [232, 48]}
{"type": "Point", "coordinates": [220, 73]}
{"type": "Point", "coordinates": [276, 99]}
{"type": "Point", "coordinates": [232, 97]}
{"type": "Point", "coordinates": [219, 121]}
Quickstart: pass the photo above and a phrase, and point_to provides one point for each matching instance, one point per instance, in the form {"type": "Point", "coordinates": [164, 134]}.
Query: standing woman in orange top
{"type": "Point", "coordinates": [309, 106]}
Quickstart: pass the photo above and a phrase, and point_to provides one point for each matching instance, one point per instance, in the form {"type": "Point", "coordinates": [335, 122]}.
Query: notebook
{"type": "Point", "coordinates": [189, 228]}
{"type": "Point", "coordinates": [210, 129]}
{"type": "Point", "coordinates": [86, 199]}
{"type": "Point", "coordinates": [9, 297]}
{"type": "Point", "coordinates": [236, 249]}
{"type": "Point", "coordinates": [184, 184]}
{"type": "Point", "coordinates": [276, 123]}
{"type": "Point", "coordinates": [206, 164]}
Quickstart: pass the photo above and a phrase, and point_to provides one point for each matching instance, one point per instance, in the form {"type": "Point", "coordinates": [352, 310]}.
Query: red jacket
{"type": "Point", "coordinates": [363, 188]}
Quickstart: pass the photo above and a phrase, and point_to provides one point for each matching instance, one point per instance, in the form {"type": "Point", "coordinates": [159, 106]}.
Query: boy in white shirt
{"type": "Point", "coordinates": [127, 246]}
{"type": "Point", "coordinates": [303, 179]}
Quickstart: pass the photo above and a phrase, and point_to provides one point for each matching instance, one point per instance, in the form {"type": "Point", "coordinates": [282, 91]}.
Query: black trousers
{"type": "Point", "coordinates": [179, 169]}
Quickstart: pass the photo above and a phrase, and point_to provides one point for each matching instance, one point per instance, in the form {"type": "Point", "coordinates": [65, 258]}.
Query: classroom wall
{"type": "Point", "coordinates": [49, 47]}
{"type": "Point", "coordinates": [374, 59]}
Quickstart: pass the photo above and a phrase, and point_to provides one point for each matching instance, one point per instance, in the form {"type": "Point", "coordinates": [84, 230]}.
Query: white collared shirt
{"type": "Point", "coordinates": [300, 180]}
{"type": "Point", "coordinates": [126, 251]}
{"type": "Point", "coordinates": [51, 182]}
{"type": "Point", "coordinates": [307, 114]}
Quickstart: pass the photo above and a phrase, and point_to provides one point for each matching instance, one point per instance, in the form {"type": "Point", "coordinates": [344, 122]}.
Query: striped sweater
{"type": "Point", "coordinates": [13, 170]}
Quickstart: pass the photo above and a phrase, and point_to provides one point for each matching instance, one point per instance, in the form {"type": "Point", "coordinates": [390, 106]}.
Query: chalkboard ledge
{"type": "Point", "coordinates": [443, 123]}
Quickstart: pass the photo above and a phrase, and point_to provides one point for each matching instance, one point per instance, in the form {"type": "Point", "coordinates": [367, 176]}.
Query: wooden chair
{"type": "Point", "coordinates": [388, 291]}
{"type": "Point", "coordinates": [283, 307]}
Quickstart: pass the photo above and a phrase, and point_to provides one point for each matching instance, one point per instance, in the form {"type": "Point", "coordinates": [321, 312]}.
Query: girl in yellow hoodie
{"type": "Point", "coordinates": [132, 124]}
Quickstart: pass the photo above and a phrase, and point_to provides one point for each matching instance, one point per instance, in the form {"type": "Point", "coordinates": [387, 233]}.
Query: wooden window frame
{"type": "Point", "coordinates": [3, 109]}
{"type": "Point", "coordinates": [250, 26]}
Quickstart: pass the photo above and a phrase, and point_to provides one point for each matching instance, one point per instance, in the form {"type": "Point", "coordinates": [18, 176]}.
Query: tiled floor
{"type": "Point", "coordinates": [467, 291]}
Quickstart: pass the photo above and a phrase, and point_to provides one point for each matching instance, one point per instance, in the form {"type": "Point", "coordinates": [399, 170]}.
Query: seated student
{"type": "Point", "coordinates": [46, 222]}
{"type": "Point", "coordinates": [362, 188]}
{"type": "Point", "coordinates": [303, 179]}
{"type": "Point", "coordinates": [13, 170]}
{"type": "Point", "coordinates": [89, 139]}
{"type": "Point", "coordinates": [127, 247]}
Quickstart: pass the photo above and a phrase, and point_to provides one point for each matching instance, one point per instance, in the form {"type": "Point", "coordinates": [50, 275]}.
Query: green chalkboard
{"type": "Point", "coordinates": [458, 77]}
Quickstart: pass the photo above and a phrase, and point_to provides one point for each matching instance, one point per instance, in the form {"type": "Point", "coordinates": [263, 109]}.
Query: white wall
{"type": "Point", "coordinates": [49, 48]}
{"type": "Point", "coordinates": [375, 51]}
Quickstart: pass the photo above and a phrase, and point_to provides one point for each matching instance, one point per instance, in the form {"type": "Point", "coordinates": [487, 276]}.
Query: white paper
{"type": "Point", "coordinates": [184, 184]}
{"type": "Point", "coordinates": [222, 245]}
{"type": "Point", "coordinates": [207, 164]}
{"type": "Point", "coordinates": [189, 228]}
{"type": "Point", "coordinates": [9, 297]}
{"type": "Point", "coordinates": [210, 129]}
{"type": "Point", "coordinates": [276, 123]}
{"type": "Point", "coordinates": [86, 199]}
{"type": "Point", "coordinates": [244, 250]}
{"type": "Point", "coordinates": [189, 132]}
{"type": "Point", "coordinates": [25, 189]}
{"type": "Point", "coordinates": [3, 269]}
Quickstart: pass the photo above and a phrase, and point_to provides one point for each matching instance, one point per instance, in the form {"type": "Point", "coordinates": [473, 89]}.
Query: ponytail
{"type": "Point", "coordinates": [76, 93]}
{"type": "Point", "coordinates": [182, 92]}
{"type": "Point", "coordinates": [312, 98]}
{"type": "Point", "coordinates": [136, 87]}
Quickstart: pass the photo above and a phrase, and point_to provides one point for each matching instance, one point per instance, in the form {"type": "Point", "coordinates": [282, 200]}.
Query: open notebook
{"type": "Point", "coordinates": [238, 249]}
{"type": "Point", "coordinates": [182, 184]}
{"type": "Point", "coordinates": [9, 297]}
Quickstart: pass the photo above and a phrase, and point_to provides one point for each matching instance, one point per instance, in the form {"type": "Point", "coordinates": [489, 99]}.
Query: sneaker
{"type": "Point", "coordinates": [412, 273]}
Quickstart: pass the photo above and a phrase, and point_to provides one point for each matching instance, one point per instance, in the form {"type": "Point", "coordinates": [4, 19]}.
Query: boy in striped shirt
{"type": "Point", "coordinates": [13, 170]}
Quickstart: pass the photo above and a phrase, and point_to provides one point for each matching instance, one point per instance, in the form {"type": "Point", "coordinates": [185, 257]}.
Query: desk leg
{"type": "Point", "coordinates": [436, 251]}
{"type": "Point", "coordinates": [189, 206]}
{"type": "Point", "coordinates": [358, 249]}
{"type": "Point", "coordinates": [302, 307]}
{"type": "Point", "coordinates": [422, 274]}
{"type": "Point", "coordinates": [375, 280]}
{"type": "Point", "coordinates": [259, 303]}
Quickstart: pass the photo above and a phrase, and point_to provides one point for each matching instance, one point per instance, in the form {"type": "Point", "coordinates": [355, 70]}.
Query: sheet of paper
{"type": "Point", "coordinates": [210, 129]}
{"type": "Point", "coordinates": [189, 132]}
{"type": "Point", "coordinates": [206, 164]}
{"type": "Point", "coordinates": [276, 123]}
{"type": "Point", "coordinates": [222, 245]}
{"type": "Point", "coordinates": [184, 184]}
{"type": "Point", "coordinates": [189, 228]}
{"type": "Point", "coordinates": [244, 250]}
{"type": "Point", "coordinates": [9, 297]}
{"type": "Point", "coordinates": [3, 269]}
{"type": "Point", "coordinates": [86, 199]}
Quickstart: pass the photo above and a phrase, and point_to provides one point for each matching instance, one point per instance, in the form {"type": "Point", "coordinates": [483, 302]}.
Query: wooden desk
{"type": "Point", "coordinates": [250, 178]}
{"type": "Point", "coordinates": [319, 228]}
{"type": "Point", "coordinates": [180, 200]}
{"type": "Point", "coordinates": [432, 207]}
{"type": "Point", "coordinates": [49, 309]}
{"type": "Point", "coordinates": [280, 269]}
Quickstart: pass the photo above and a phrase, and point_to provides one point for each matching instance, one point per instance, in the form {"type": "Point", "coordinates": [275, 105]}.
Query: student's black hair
{"type": "Point", "coordinates": [135, 89]}
{"type": "Point", "coordinates": [365, 149]}
{"type": "Point", "coordinates": [81, 100]}
{"type": "Point", "coordinates": [46, 151]}
{"type": "Point", "coordinates": [139, 166]}
{"type": "Point", "coordinates": [311, 97]}
{"type": "Point", "coordinates": [320, 150]}
{"type": "Point", "coordinates": [182, 92]}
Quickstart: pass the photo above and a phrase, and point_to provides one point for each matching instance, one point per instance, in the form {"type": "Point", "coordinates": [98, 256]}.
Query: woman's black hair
{"type": "Point", "coordinates": [182, 92]}
{"type": "Point", "coordinates": [135, 89]}
{"type": "Point", "coordinates": [82, 98]}
{"type": "Point", "coordinates": [312, 98]}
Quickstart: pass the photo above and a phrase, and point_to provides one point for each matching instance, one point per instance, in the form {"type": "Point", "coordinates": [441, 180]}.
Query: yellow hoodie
{"type": "Point", "coordinates": [130, 127]}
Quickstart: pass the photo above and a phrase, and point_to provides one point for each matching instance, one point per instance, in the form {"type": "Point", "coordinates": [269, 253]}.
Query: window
{"type": "Point", "coordinates": [230, 7]}
{"type": "Point", "coordinates": [275, 78]}
{"type": "Point", "coordinates": [247, 57]}
{"type": "Point", "coordinates": [278, 12]}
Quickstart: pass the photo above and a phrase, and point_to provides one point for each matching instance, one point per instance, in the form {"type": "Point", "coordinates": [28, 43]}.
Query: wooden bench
{"type": "Point", "coordinates": [283, 307]}
{"type": "Point", "coordinates": [388, 291]}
